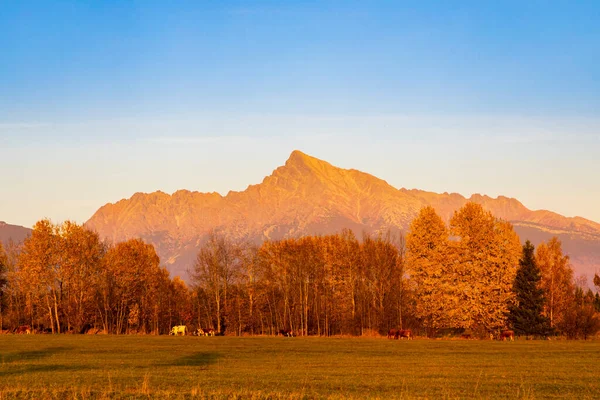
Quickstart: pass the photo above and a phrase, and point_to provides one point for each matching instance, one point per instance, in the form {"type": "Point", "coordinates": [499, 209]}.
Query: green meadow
{"type": "Point", "coordinates": [138, 367]}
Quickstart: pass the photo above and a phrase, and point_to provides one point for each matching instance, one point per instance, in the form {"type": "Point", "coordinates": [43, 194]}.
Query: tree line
{"type": "Point", "coordinates": [470, 275]}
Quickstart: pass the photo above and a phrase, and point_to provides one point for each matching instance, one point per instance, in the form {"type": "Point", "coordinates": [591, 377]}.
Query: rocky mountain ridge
{"type": "Point", "coordinates": [311, 196]}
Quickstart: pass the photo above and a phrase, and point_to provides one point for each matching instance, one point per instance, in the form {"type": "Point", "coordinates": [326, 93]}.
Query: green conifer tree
{"type": "Point", "coordinates": [525, 315]}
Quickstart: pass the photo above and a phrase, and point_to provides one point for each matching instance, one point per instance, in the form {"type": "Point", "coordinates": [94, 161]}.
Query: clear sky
{"type": "Point", "coordinates": [102, 99]}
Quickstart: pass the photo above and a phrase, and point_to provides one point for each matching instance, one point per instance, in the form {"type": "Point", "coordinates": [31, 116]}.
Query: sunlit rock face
{"type": "Point", "coordinates": [311, 196]}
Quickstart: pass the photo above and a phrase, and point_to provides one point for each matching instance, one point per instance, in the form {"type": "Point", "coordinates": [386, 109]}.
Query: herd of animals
{"type": "Point", "coordinates": [182, 330]}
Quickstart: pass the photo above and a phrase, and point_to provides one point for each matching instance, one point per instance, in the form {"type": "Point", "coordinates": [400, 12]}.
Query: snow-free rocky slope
{"type": "Point", "coordinates": [311, 196]}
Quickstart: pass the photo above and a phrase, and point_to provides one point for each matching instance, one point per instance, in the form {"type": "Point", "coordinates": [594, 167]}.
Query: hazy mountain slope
{"type": "Point", "coordinates": [310, 196]}
{"type": "Point", "coordinates": [12, 232]}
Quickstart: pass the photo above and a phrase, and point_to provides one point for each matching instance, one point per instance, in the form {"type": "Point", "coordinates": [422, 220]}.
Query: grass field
{"type": "Point", "coordinates": [64, 366]}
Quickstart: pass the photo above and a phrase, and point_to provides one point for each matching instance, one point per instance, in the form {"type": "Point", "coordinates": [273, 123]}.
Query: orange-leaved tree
{"type": "Point", "coordinates": [40, 272]}
{"type": "Point", "coordinates": [557, 279]}
{"type": "Point", "coordinates": [430, 270]}
{"type": "Point", "coordinates": [487, 252]}
{"type": "Point", "coordinates": [132, 277]}
{"type": "Point", "coordinates": [81, 262]}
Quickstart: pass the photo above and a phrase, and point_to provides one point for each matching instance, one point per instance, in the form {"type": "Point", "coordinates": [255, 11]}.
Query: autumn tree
{"type": "Point", "coordinates": [383, 268]}
{"type": "Point", "coordinates": [557, 279]}
{"type": "Point", "coordinates": [250, 292]}
{"type": "Point", "coordinates": [342, 278]}
{"type": "Point", "coordinates": [431, 272]}
{"type": "Point", "coordinates": [463, 275]}
{"type": "Point", "coordinates": [81, 259]}
{"type": "Point", "coordinates": [580, 319]}
{"type": "Point", "coordinates": [486, 256]}
{"type": "Point", "coordinates": [217, 265]}
{"type": "Point", "coordinates": [15, 305]}
{"type": "Point", "coordinates": [526, 316]}
{"type": "Point", "coordinates": [273, 263]}
{"type": "Point", "coordinates": [40, 272]}
{"type": "Point", "coordinates": [131, 279]}
{"type": "Point", "coordinates": [179, 302]}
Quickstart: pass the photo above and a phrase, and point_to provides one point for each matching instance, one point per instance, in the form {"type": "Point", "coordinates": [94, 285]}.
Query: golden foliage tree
{"type": "Point", "coordinates": [430, 269]}
{"type": "Point", "coordinates": [486, 258]}
{"type": "Point", "coordinates": [557, 279]}
{"type": "Point", "coordinates": [463, 276]}
{"type": "Point", "coordinates": [81, 261]}
{"type": "Point", "coordinates": [132, 277]}
{"type": "Point", "coordinates": [40, 272]}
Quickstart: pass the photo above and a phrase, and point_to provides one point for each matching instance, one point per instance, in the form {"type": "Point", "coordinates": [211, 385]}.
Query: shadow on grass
{"type": "Point", "coordinates": [200, 359]}
{"type": "Point", "coordinates": [35, 369]}
{"type": "Point", "coordinates": [22, 362]}
{"type": "Point", "coordinates": [31, 355]}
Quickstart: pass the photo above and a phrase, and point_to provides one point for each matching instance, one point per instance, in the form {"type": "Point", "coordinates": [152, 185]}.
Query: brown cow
{"type": "Point", "coordinates": [392, 334]}
{"type": "Point", "coordinates": [405, 333]}
{"type": "Point", "coordinates": [206, 332]}
{"type": "Point", "coordinates": [507, 335]}
{"type": "Point", "coordinates": [23, 329]}
{"type": "Point", "coordinates": [286, 333]}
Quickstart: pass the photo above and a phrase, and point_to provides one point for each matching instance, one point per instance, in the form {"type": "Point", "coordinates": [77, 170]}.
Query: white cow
{"type": "Point", "coordinates": [179, 329]}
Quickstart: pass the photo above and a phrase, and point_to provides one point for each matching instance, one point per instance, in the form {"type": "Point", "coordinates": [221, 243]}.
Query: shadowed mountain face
{"type": "Point", "coordinates": [310, 196]}
{"type": "Point", "coordinates": [12, 232]}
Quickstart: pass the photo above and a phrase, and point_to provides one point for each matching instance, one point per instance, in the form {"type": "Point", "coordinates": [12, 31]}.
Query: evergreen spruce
{"type": "Point", "coordinates": [525, 315]}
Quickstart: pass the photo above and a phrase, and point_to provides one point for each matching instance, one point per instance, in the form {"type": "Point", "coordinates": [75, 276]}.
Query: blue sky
{"type": "Point", "coordinates": [102, 99]}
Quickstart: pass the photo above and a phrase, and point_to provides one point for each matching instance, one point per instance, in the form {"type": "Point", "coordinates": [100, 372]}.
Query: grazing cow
{"type": "Point", "coordinates": [85, 328]}
{"type": "Point", "coordinates": [507, 335]}
{"type": "Point", "coordinates": [179, 329]}
{"type": "Point", "coordinates": [392, 334]}
{"type": "Point", "coordinates": [404, 333]}
{"type": "Point", "coordinates": [205, 332]}
{"type": "Point", "coordinates": [23, 329]}
{"type": "Point", "coordinates": [286, 333]}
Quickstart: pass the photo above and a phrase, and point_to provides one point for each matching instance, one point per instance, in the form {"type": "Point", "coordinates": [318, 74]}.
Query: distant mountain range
{"type": "Point", "coordinates": [311, 196]}
{"type": "Point", "coordinates": [12, 232]}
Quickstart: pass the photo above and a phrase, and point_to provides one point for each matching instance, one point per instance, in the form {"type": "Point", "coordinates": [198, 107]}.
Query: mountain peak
{"type": "Point", "coordinates": [302, 163]}
{"type": "Point", "coordinates": [298, 158]}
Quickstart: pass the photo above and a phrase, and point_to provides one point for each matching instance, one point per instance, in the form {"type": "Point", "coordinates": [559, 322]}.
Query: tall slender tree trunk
{"type": "Point", "coordinates": [218, 310]}
{"type": "Point", "coordinates": [50, 314]}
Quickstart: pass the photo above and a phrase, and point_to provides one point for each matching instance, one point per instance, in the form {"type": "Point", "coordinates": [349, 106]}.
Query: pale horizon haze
{"type": "Point", "coordinates": [100, 100]}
